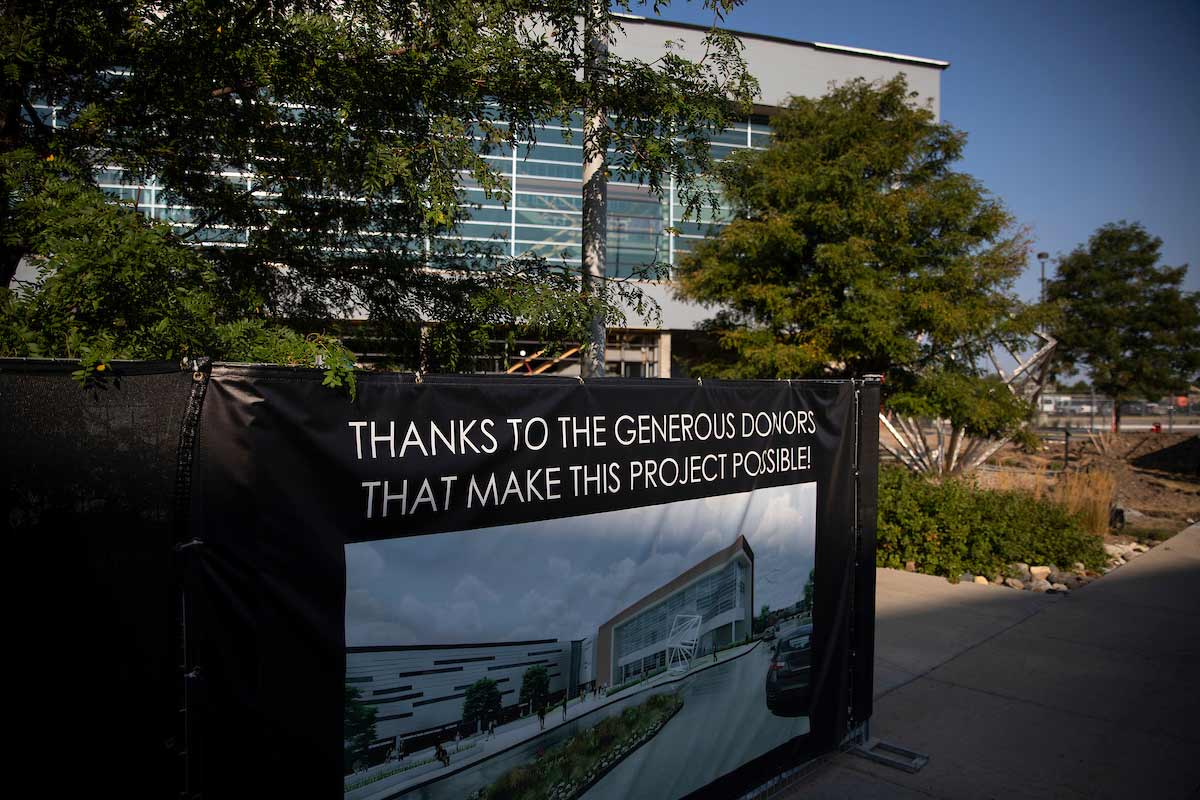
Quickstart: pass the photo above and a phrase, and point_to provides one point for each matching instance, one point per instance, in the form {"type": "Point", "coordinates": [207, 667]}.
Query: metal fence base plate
{"type": "Point", "coordinates": [890, 755]}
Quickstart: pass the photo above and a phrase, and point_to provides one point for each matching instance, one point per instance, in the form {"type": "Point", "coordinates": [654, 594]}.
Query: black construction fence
{"type": "Point", "coordinates": [188, 539]}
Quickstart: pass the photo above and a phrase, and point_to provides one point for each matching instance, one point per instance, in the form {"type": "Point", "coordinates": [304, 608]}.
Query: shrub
{"type": "Point", "coordinates": [1090, 494]}
{"type": "Point", "coordinates": [577, 761]}
{"type": "Point", "coordinates": [953, 527]}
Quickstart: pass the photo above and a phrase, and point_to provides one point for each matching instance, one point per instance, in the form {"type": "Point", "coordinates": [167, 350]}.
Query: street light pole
{"type": "Point", "coordinates": [1042, 258]}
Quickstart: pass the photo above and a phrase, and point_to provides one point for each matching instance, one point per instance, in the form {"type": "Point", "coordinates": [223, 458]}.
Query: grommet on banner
{"type": "Point", "coordinates": [580, 379]}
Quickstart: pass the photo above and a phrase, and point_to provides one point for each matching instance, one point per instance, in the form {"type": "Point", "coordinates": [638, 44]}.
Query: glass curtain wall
{"type": "Point", "coordinates": [544, 216]}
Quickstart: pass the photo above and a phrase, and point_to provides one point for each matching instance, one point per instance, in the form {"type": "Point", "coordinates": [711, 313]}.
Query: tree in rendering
{"type": "Point", "coordinates": [358, 730]}
{"type": "Point", "coordinates": [1124, 317]}
{"type": "Point", "coordinates": [535, 687]}
{"type": "Point", "coordinates": [314, 153]}
{"type": "Point", "coordinates": [481, 703]}
{"type": "Point", "coordinates": [761, 621]}
{"type": "Point", "coordinates": [856, 248]}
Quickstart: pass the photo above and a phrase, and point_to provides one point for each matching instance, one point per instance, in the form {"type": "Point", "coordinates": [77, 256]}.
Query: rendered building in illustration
{"type": "Point", "coordinates": [418, 689]}
{"type": "Point", "coordinates": [708, 606]}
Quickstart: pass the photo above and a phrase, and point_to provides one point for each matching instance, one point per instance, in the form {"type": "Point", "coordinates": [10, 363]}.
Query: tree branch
{"type": "Point", "coordinates": [44, 133]}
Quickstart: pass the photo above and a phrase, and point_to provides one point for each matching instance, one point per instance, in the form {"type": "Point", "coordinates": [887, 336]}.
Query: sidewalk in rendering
{"type": "Point", "coordinates": [1016, 694]}
{"type": "Point", "coordinates": [514, 733]}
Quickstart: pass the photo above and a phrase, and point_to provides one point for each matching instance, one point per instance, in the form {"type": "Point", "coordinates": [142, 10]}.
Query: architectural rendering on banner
{"type": "Point", "coordinates": [419, 690]}
{"type": "Point", "coordinates": [715, 596]}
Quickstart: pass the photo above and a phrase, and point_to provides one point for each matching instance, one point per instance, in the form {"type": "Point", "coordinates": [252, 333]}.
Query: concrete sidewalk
{"type": "Point", "coordinates": [1015, 694]}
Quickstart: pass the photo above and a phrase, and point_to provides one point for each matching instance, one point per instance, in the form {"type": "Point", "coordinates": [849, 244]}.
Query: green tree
{"type": "Point", "coordinates": [481, 702]}
{"type": "Point", "coordinates": [336, 139]}
{"type": "Point", "coordinates": [113, 285]}
{"type": "Point", "coordinates": [1078, 387]}
{"type": "Point", "coordinates": [760, 622]}
{"type": "Point", "coordinates": [856, 248]}
{"type": "Point", "coordinates": [1124, 316]}
{"type": "Point", "coordinates": [535, 687]}
{"type": "Point", "coordinates": [358, 729]}
{"type": "Point", "coordinates": [809, 588]}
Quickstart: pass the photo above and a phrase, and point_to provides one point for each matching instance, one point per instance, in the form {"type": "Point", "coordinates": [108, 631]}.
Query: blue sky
{"type": "Point", "coordinates": [1077, 113]}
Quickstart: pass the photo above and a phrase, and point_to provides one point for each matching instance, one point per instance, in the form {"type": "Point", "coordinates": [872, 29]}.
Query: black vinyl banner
{"type": "Point", "coordinates": [503, 588]}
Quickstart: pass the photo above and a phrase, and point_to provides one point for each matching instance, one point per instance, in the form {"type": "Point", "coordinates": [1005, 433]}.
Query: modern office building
{"type": "Point", "coordinates": [719, 590]}
{"type": "Point", "coordinates": [545, 179]}
{"type": "Point", "coordinates": [419, 689]}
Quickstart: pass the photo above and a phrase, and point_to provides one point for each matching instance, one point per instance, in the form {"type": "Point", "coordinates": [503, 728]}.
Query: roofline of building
{"type": "Point", "coordinates": [688, 576]}
{"type": "Point", "coordinates": [836, 48]}
{"type": "Point", "coordinates": [390, 648]}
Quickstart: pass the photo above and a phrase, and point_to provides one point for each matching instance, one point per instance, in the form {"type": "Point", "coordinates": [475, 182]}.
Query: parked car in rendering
{"type": "Point", "coordinates": [789, 680]}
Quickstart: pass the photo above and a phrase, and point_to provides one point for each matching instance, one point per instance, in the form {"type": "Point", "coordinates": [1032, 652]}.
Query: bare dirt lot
{"type": "Point", "coordinates": [1157, 475]}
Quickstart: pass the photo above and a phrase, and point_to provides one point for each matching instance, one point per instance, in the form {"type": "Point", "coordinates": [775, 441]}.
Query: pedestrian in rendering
{"type": "Point", "coordinates": [542, 717]}
{"type": "Point", "coordinates": [492, 729]}
{"type": "Point", "coordinates": [564, 706]}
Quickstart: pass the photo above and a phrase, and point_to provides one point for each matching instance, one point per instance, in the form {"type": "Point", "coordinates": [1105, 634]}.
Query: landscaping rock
{"type": "Point", "coordinates": [1039, 573]}
{"type": "Point", "coordinates": [1078, 568]}
{"type": "Point", "coordinates": [997, 580]}
{"type": "Point", "coordinates": [1060, 587]}
{"type": "Point", "coordinates": [1130, 555]}
{"type": "Point", "coordinates": [1021, 571]}
{"type": "Point", "coordinates": [1114, 549]}
{"type": "Point", "coordinates": [1013, 583]}
{"type": "Point", "coordinates": [1058, 576]}
{"type": "Point", "coordinates": [1132, 513]}
{"type": "Point", "coordinates": [910, 566]}
{"type": "Point", "coordinates": [981, 579]}
{"type": "Point", "coordinates": [1141, 548]}
{"type": "Point", "coordinates": [1039, 585]}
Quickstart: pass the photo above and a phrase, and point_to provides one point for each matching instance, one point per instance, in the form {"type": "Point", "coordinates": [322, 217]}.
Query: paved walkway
{"type": "Point", "coordinates": [1013, 694]}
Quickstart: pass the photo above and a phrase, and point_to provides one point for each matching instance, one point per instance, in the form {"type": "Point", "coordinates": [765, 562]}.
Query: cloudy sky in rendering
{"type": "Point", "coordinates": [561, 578]}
